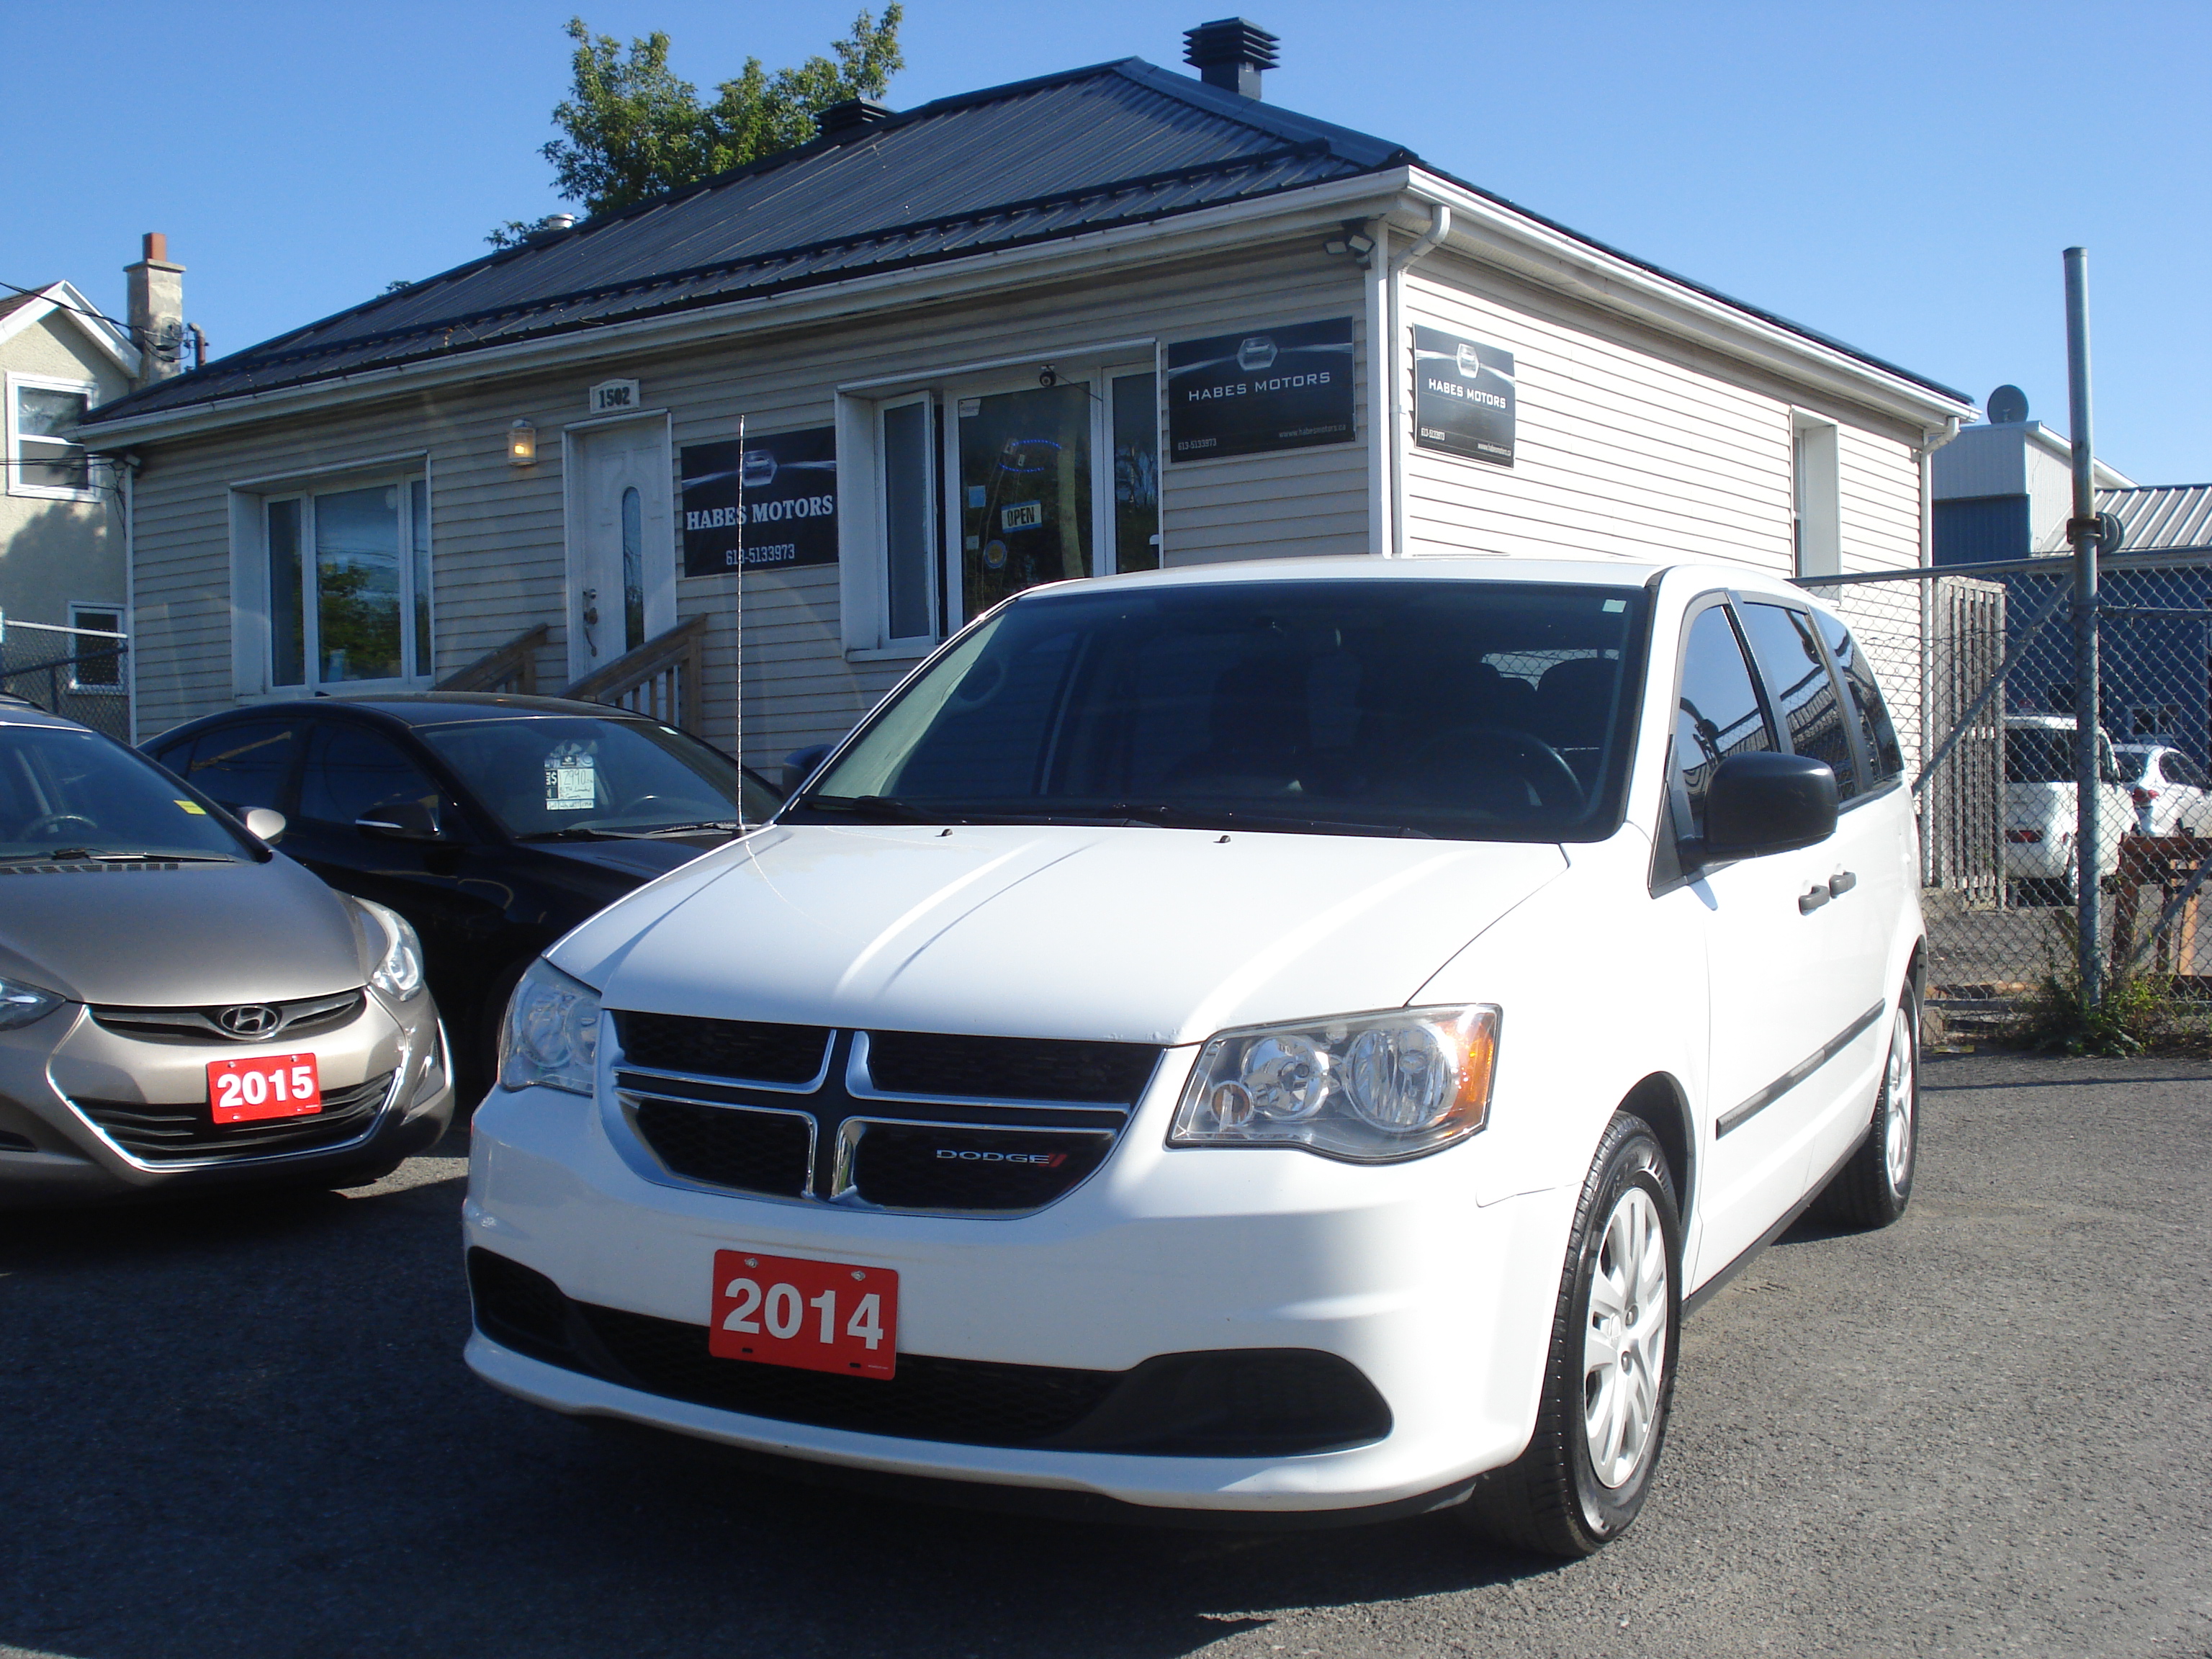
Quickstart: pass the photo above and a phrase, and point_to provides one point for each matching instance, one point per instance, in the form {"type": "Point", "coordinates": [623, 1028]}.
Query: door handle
{"type": "Point", "coordinates": [1812, 899]}
{"type": "Point", "coordinates": [1841, 882]}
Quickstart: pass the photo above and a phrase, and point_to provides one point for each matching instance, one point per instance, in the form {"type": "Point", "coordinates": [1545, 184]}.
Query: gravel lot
{"type": "Point", "coordinates": [247, 1431]}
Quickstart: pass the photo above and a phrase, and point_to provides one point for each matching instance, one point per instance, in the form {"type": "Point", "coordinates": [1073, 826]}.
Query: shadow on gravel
{"type": "Point", "coordinates": [243, 1427]}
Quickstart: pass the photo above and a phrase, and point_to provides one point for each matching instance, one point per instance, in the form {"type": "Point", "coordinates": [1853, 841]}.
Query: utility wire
{"type": "Point", "coordinates": [132, 328]}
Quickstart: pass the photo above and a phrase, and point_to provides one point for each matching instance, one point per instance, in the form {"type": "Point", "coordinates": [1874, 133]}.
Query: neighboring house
{"type": "Point", "coordinates": [62, 521]}
{"type": "Point", "coordinates": [1098, 321]}
{"type": "Point", "coordinates": [2003, 490]}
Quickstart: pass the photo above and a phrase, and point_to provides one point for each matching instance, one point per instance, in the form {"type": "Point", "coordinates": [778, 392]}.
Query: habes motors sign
{"type": "Point", "coordinates": [1462, 398]}
{"type": "Point", "coordinates": [761, 503]}
{"type": "Point", "coordinates": [1264, 389]}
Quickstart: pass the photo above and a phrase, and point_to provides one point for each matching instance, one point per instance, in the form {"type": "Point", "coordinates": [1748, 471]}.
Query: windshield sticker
{"type": "Point", "coordinates": [571, 783]}
{"type": "Point", "coordinates": [194, 808]}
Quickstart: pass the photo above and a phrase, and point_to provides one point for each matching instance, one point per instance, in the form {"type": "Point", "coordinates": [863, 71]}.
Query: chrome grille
{"type": "Point", "coordinates": [974, 1125]}
{"type": "Point", "coordinates": [303, 1017]}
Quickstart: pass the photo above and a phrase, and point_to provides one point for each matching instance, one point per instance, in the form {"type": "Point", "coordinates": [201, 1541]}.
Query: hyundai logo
{"type": "Point", "coordinates": [252, 1019]}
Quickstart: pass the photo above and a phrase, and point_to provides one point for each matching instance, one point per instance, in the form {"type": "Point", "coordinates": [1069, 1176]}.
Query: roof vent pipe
{"type": "Point", "coordinates": [1229, 53]}
{"type": "Point", "coordinates": [839, 120]}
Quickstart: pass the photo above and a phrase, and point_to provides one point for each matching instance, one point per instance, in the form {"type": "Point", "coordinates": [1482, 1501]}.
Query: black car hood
{"type": "Point", "coordinates": [639, 859]}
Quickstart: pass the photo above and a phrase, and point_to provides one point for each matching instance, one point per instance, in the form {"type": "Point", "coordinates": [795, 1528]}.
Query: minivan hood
{"type": "Point", "coordinates": [198, 936]}
{"type": "Point", "coordinates": [1139, 935]}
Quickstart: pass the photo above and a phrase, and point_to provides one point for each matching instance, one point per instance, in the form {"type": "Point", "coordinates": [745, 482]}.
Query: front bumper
{"type": "Point", "coordinates": [1443, 1305]}
{"type": "Point", "coordinates": [55, 1149]}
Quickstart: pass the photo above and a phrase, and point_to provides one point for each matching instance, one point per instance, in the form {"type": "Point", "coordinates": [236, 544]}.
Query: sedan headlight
{"type": "Point", "coordinates": [20, 1003]}
{"type": "Point", "coordinates": [552, 1032]}
{"type": "Point", "coordinates": [399, 974]}
{"type": "Point", "coordinates": [1368, 1087]}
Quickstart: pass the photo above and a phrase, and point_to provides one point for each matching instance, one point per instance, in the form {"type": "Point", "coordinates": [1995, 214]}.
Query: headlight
{"type": "Point", "coordinates": [399, 975]}
{"type": "Point", "coordinates": [21, 1003]}
{"type": "Point", "coordinates": [1370, 1087]}
{"type": "Point", "coordinates": [552, 1032]}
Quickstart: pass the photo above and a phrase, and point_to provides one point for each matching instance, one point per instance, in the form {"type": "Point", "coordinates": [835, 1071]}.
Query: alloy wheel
{"type": "Point", "coordinates": [1900, 1091]}
{"type": "Point", "coordinates": [1625, 1342]}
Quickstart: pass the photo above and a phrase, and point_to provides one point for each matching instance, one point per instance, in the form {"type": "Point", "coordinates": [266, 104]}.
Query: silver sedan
{"type": "Point", "coordinates": [181, 1008]}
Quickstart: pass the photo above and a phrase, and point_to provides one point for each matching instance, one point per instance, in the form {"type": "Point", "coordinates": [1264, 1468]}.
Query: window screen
{"type": "Point", "coordinates": [1883, 753]}
{"type": "Point", "coordinates": [1719, 714]}
{"type": "Point", "coordinates": [1804, 693]}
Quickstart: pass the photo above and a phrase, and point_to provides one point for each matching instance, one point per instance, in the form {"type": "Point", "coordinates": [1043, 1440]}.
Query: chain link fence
{"type": "Point", "coordinates": [82, 674]}
{"type": "Point", "coordinates": [1981, 670]}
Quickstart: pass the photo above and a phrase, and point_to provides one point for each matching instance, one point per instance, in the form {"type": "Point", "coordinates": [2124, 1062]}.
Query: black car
{"type": "Point", "coordinates": [494, 823]}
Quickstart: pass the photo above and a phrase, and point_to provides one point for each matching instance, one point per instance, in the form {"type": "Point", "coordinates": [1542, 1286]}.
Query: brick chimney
{"type": "Point", "coordinates": [157, 310]}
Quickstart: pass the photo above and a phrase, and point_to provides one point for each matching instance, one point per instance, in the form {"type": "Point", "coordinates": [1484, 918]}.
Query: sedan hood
{"type": "Point", "coordinates": [198, 936]}
{"type": "Point", "coordinates": [1127, 934]}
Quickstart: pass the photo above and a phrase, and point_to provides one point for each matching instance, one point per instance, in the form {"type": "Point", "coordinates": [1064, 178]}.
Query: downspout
{"type": "Point", "coordinates": [1930, 442]}
{"type": "Point", "coordinates": [129, 468]}
{"type": "Point", "coordinates": [1439, 228]}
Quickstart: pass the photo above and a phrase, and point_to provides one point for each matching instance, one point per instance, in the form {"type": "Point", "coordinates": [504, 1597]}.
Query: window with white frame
{"type": "Point", "coordinates": [1815, 500]}
{"type": "Point", "coordinates": [993, 481]}
{"type": "Point", "coordinates": [44, 457]}
{"type": "Point", "coordinates": [96, 649]}
{"type": "Point", "coordinates": [348, 584]}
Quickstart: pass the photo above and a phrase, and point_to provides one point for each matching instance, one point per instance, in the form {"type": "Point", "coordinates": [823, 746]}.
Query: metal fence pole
{"type": "Point", "coordinates": [2089, 715]}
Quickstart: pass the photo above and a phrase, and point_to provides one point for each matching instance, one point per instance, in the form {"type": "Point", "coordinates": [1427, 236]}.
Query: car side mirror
{"type": "Point", "coordinates": [402, 818]}
{"type": "Point", "coordinates": [1764, 803]}
{"type": "Point", "coordinates": [800, 764]}
{"type": "Point", "coordinates": [266, 823]}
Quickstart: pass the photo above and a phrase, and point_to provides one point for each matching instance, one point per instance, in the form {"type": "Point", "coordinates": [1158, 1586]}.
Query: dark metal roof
{"type": "Point", "coordinates": [1116, 143]}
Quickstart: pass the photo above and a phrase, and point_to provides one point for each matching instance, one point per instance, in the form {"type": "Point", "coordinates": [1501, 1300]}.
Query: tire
{"type": "Point", "coordinates": [1872, 1190]}
{"type": "Point", "coordinates": [1603, 1420]}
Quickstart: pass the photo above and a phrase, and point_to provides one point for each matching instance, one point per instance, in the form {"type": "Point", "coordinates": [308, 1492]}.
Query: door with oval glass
{"type": "Point", "coordinates": [622, 549]}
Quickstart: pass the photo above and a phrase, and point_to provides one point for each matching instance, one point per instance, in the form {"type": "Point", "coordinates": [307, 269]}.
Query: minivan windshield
{"type": "Point", "coordinates": [69, 795]}
{"type": "Point", "coordinates": [1474, 710]}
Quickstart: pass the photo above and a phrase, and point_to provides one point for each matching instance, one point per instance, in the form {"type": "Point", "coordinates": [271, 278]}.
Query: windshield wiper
{"type": "Point", "coordinates": [731, 824]}
{"type": "Point", "coordinates": [86, 855]}
{"type": "Point", "coordinates": [1199, 817]}
{"type": "Point", "coordinates": [882, 808]}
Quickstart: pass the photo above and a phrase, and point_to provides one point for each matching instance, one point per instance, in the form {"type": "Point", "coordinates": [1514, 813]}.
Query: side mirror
{"type": "Point", "coordinates": [800, 764]}
{"type": "Point", "coordinates": [401, 818]}
{"type": "Point", "coordinates": [266, 823]}
{"type": "Point", "coordinates": [1761, 804]}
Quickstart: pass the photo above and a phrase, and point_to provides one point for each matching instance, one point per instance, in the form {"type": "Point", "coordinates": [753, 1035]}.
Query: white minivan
{"type": "Point", "coordinates": [1276, 1042]}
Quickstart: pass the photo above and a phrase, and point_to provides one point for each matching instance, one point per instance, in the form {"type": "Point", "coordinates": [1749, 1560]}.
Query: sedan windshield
{"type": "Point", "coordinates": [74, 795]}
{"type": "Point", "coordinates": [555, 775]}
{"type": "Point", "coordinates": [1479, 710]}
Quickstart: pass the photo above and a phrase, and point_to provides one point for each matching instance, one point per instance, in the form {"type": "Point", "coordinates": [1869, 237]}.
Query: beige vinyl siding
{"type": "Point", "coordinates": [499, 558]}
{"type": "Point", "coordinates": [1628, 446]}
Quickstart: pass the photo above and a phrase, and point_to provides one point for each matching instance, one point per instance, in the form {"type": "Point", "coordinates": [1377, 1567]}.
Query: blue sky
{"type": "Point", "coordinates": [1903, 177]}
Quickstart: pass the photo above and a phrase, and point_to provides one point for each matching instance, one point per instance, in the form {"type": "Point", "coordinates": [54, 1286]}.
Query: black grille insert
{"type": "Point", "coordinates": [728, 1145]}
{"type": "Point", "coordinates": [157, 1132]}
{"type": "Point", "coordinates": [1267, 1402]}
{"type": "Point", "coordinates": [304, 1016]}
{"type": "Point", "coordinates": [919, 1166]}
{"type": "Point", "coordinates": [723, 1047]}
{"type": "Point", "coordinates": [1009, 1068]}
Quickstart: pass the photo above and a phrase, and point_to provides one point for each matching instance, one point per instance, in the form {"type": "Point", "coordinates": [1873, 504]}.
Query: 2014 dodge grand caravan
{"type": "Point", "coordinates": [1285, 1039]}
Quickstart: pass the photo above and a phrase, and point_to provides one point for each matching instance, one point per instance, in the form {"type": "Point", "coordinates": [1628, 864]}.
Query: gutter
{"type": "Point", "coordinates": [1480, 229]}
{"type": "Point", "coordinates": [1440, 221]}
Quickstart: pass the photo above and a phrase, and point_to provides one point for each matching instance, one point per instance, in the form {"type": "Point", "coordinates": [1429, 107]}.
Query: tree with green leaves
{"type": "Point", "coordinates": [633, 130]}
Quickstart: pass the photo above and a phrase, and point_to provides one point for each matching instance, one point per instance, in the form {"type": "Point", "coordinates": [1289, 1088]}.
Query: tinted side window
{"type": "Point", "coordinates": [1883, 752]}
{"type": "Point", "coordinates": [248, 764]}
{"type": "Point", "coordinates": [2179, 768]}
{"type": "Point", "coordinates": [1804, 693]}
{"type": "Point", "coordinates": [1719, 713]}
{"type": "Point", "coordinates": [350, 770]}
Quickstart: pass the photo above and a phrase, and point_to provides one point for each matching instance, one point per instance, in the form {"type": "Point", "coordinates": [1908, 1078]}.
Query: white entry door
{"type": "Point", "coordinates": [621, 541]}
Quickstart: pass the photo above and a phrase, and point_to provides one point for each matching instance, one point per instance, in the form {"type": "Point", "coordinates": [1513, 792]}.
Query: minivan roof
{"type": "Point", "coordinates": [1359, 567]}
